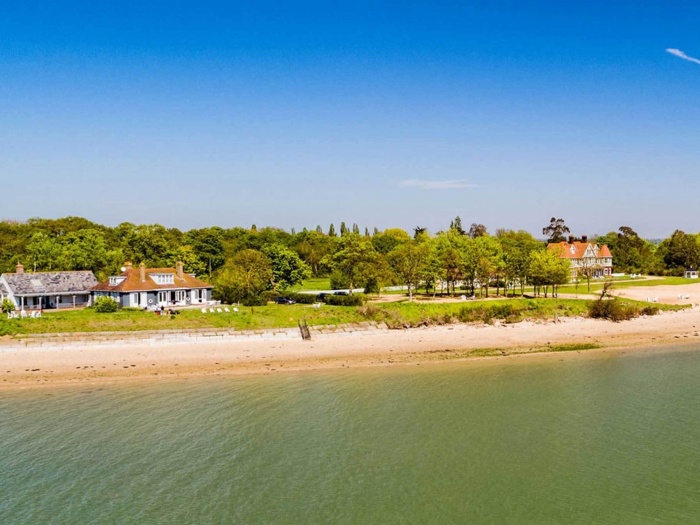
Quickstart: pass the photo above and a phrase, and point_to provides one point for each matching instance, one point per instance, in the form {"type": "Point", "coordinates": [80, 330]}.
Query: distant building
{"type": "Point", "coordinates": [47, 290]}
{"type": "Point", "coordinates": [148, 287]}
{"type": "Point", "coordinates": [691, 273]}
{"type": "Point", "coordinates": [584, 255]}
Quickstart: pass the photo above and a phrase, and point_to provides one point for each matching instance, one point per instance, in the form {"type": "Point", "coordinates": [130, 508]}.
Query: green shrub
{"type": "Point", "coordinates": [268, 295]}
{"type": "Point", "coordinates": [7, 306]}
{"type": "Point", "coordinates": [649, 310]}
{"type": "Point", "coordinates": [254, 300]}
{"type": "Point", "coordinates": [356, 299]}
{"type": "Point", "coordinates": [106, 304]}
{"type": "Point", "coordinates": [302, 298]}
{"type": "Point", "coordinates": [612, 310]}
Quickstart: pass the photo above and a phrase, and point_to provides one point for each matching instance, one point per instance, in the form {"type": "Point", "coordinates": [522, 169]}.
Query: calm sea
{"type": "Point", "coordinates": [602, 440]}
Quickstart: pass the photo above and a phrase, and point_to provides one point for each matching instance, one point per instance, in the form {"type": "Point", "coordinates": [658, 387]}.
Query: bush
{"type": "Point", "coordinates": [268, 295]}
{"type": "Point", "coordinates": [254, 300]}
{"type": "Point", "coordinates": [106, 304]}
{"type": "Point", "coordinates": [7, 306]}
{"type": "Point", "coordinates": [356, 299]}
{"type": "Point", "coordinates": [302, 298]}
{"type": "Point", "coordinates": [611, 309]}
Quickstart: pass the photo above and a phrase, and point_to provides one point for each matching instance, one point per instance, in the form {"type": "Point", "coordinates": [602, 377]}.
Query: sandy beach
{"type": "Point", "coordinates": [48, 365]}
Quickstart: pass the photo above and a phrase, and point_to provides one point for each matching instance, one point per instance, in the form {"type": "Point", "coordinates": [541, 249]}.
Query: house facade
{"type": "Point", "coordinates": [585, 256]}
{"type": "Point", "coordinates": [154, 287]}
{"type": "Point", "coordinates": [47, 290]}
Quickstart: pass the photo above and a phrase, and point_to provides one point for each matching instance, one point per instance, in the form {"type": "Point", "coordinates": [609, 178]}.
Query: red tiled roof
{"type": "Point", "coordinates": [133, 283]}
{"type": "Point", "coordinates": [579, 249]}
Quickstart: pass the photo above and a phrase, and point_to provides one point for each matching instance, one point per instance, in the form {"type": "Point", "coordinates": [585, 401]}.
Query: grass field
{"type": "Point", "coordinates": [597, 285]}
{"type": "Point", "coordinates": [395, 314]}
{"type": "Point", "coordinates": [315, 283]}
{"type": "Point", "coordinates": [258, 317]}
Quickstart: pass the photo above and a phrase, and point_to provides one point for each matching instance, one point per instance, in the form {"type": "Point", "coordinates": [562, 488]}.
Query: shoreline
{"type": "Point", "coordinates": [50, 365]}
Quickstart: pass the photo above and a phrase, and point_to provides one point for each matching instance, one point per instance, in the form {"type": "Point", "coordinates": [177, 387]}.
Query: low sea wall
{"type": "Point", "coordinates": [177, 337]}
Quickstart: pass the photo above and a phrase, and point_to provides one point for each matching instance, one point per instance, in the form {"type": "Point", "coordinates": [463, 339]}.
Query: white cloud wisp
{"type": "Point", "coordinates": [436, 184]}
{"type": "Point", "coordinates": [680, 54]}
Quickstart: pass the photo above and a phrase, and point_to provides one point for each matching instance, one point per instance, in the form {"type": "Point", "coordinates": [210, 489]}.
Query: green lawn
{"type": "Point", "coordinates": [259, 317]}
{"type": "Point", "coordinates": [395, 314]}
{"type": "Point", "coordinates": [597, 285]}
{"type": "Point", "coordinates": [315, 283]}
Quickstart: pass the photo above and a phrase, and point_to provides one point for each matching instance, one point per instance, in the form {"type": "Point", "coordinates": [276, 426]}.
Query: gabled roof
{"type": "Point", "coordinates": [577, 249]}
{"type": "Point", "coordinates": [604, 251]}
{"type": "Point", "coordinates": [50, 283]}
{"type": "Point", "coordinates": [132, 281]}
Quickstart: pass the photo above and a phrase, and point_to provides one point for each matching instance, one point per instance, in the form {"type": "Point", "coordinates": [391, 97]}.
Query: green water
{"type": "Point", "coordinates": [604, 440]}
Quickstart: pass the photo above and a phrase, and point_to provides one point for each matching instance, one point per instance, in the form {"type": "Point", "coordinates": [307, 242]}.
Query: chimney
{"type": "Point", "coordinates": [178, 270]}
{"type": "Point", "coordinates": [142, 267]}
{"type": "Point", "coordinates": [584, 238]}
{"type": "Point", "coordinates": [127, 265]}
{"type": "Point", "coordinates": [19, 268]}
{"type": "Point", "coordinates": [571, 239]}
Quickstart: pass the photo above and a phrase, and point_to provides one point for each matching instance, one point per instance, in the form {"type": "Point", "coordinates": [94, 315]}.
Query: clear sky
{"type": "Point", "coordinates": [387, 114]}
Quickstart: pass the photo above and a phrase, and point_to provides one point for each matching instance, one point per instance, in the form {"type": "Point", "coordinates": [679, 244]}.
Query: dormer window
{"type": "Point", "coordinates": [572, 250]}
{"type": "Point", "coordinates": [163, 278]}
{"type": "Point", "coordinates": [114, 281]}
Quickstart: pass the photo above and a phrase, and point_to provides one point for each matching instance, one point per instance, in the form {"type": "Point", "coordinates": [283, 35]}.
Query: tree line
{"type": "Point", "coordinates": [245, 262]}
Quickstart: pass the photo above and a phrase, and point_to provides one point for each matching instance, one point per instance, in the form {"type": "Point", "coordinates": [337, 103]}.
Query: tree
{"type": "Point", "coordinates": [191, 263]}
{"type": "Point", "coordinates": [247, 275]}
{"type": "Point", "coordinates": [343, 229]}
{"type": "Point", "coordinates": [146, 243]}
{"type": "Point", "coordinates": [355, 229]}
{"type": "Point", "coordinates": [477, 230]}
{"type": "Point", "coordinates": [456, 225]}
{"type": "Point", "coordinates": [548, 269]}
{"type": "Point", "coordinates": [355, 262]}
{"type": "Point", "coordinates": [409, 262]}
{"type": "Point", "coordinates": [450, 248]}
{"type": "Point", "coordinates": [83, 250]}
{"type": "Point", "coordinates": [680, 252]}
{"type": "Point", "coordinates": [286, 266]}
{"type": "Point", "coordinates": [331, 231]}
{"type": "Point", "coordinates": [631, 253]}
{"type": "Point", "coordinates": [208, 245]}
{"type": "Point", "coordinates": [44, 250]}
{"type": "Point", "coordinates": [419, 231]}
{"type": "Point", "coordinates": [556, 231]}
{"type": "Point", "coordinates": [389, 239]}
{"type": "Point", "coordinates": [517, 247]}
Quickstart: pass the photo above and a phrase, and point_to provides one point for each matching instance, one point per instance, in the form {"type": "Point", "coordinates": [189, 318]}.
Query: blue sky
{"type": "Point", "coordinates": [381, 113]}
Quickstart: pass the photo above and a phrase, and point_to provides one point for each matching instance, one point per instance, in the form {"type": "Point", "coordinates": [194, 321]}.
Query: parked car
{"type": "Point", "coordinates": [341, 292]}
{"type": "Point", "coordinates": [284, 300]}
{"type": "Point", "coordinates": [322, 296]}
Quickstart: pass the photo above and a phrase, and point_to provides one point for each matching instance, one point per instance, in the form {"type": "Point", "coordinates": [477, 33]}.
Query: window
{"type": "Point", "coordinates": [163, 278]}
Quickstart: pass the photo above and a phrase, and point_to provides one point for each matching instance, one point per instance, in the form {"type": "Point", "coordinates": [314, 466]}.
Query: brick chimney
{"type": "Point", "coordinates": [142, 268]}
{"type": "Point", "coordinates": [178, 270]}
{"type": "Point", "coordinates": [584, 238]}
{"type": "Point", "coordinates": [127, 266]}
{"type": "Point", "coordinates": [571, 239]}
{"type": "Point", "coordinates": [19, 268]}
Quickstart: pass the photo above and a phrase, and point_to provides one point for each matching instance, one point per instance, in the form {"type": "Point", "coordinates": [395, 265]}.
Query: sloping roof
{"type": "Point", "coordinates": [50, 283]}
{"type": "Point", "coordinates": [133, 283]}
{"type": "Point", "coordinates": [577, 249]}
{"type": "Point", "coordinates": [604, 251]}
